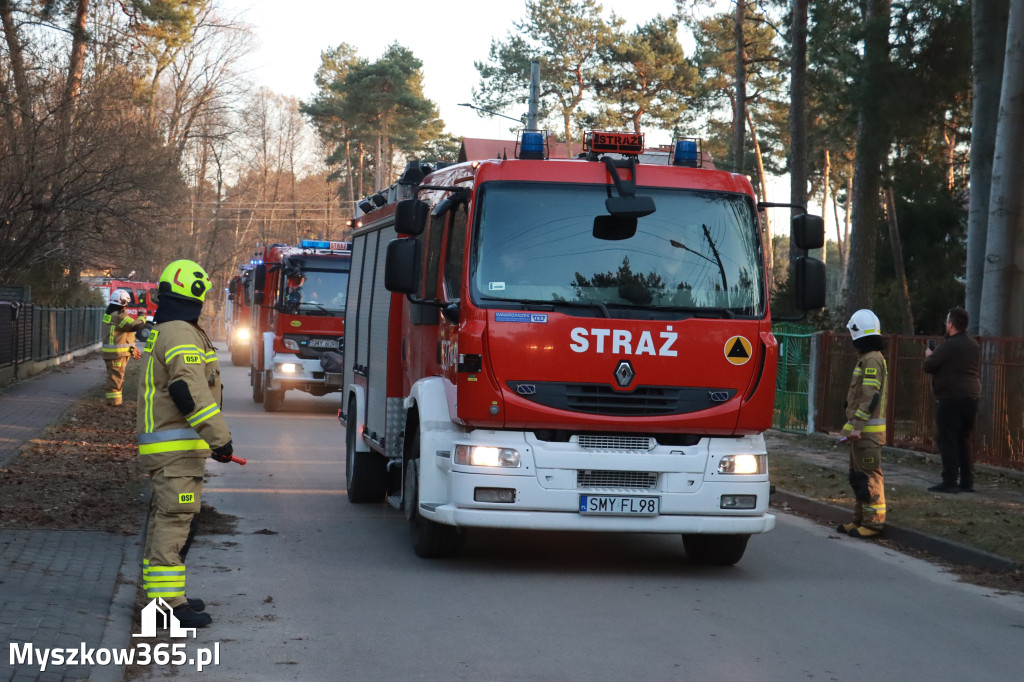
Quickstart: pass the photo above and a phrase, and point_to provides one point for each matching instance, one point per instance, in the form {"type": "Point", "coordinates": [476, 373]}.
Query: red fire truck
{"type": "Point", "coordinates": [298, 319]}
{"type": "Point", "coordinates": [238, 314]}
{"type": "Point", "coordinates": [143, 295]}
{"type": "Point", "coordinates": [578, 345]}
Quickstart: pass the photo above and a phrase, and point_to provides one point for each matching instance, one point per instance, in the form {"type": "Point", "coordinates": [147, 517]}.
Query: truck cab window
{"type": "Point", "coordinates": [433, 250]}
{"type": "Point", "coordinates": [453, 254]}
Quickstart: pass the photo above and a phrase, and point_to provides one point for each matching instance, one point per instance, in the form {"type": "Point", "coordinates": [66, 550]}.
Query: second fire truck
{"type": "Point", "coordinates": [298, 319]}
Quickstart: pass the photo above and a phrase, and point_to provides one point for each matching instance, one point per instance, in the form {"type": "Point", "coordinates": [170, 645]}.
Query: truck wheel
{"type": "Point", "coordinates": [366, 473]}
{"type": "Point", "coordinates": [257, 386]}
{"type": "Point", "coordinates": [430, 540]}
{"type": "Point", "coordinates": [715, 550]}
{"type": "Point", "coordinates": [239, 355]}
{"type": "Point", "coordinates": [272, 399]}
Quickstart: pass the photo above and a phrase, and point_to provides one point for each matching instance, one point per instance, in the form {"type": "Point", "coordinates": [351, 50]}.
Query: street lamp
{"type": "Point", "coordinates": [488, 111]}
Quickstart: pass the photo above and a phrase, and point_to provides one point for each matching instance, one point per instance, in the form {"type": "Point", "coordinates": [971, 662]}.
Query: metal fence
{"type": "Point", "coordinates": [998, 437]}
{"type": "Point", "coordinates": [31, 333]}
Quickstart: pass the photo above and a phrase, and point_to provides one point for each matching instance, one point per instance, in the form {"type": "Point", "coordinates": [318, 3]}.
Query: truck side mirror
{"type": "Point", "coordinates": [808, 231]}
{"type": "Point", "coordinates": [260, 276]}
{"type": "Point", "coordinates": [402, 266]}
{"type": "Point", "coordinates": [411, 216]}
{"type": "Point", "coordinates": [809, 287]}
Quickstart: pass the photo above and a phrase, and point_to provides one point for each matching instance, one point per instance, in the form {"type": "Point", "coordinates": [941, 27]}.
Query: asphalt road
{"type": "Point", "coordinates": [310, 587]}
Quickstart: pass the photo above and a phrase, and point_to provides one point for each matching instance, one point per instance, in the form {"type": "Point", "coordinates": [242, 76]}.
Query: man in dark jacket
{"type": "Point", "coordinates": [955, 367]}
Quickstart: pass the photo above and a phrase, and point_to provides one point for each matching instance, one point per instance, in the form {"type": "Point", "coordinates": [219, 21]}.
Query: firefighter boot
{"type": "Point", "coordinates": [197, 605]}
{"type": "Point", "coordinates": [845, 528]}
{"type": "Point", "coordinates": [190, 618]}
{"type": "Point", "coordinates": [864, 532]}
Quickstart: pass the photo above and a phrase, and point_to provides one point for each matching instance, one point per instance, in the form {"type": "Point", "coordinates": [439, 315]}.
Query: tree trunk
{"type": "Point", "coordinates": [989, 19]}
{"type": "Point", "coordinates": [739, 106]}
{"type": "Point", "coordinates": [906, 314]}
{"type": "Point", "coordinates": [872, 145]}
{"type": "Point", "coordinates": [847, 218]}
{"type": "Point", "coordinates": [17, 57]}
{"type": "Point", "coordinates": [348, 169]}
{"type": "Point", "coordinates": [762, 181]}
{"type": "Point", "coordinates": [1001, 313]}
{"type": "Point", "coordinates": [797, 114]}
{"type": "Point", "coordinates": [826, 188]}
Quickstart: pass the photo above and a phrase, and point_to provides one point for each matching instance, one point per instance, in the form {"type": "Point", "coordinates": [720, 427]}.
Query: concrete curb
{"type": "Point", "coordinates": [117, 633]}
{"type": "Point", "coordinates": [950, 550]}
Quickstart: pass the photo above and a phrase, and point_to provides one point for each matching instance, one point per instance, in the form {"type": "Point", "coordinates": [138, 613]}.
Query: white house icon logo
{"type": "Point", "coordinates": [158, 608]}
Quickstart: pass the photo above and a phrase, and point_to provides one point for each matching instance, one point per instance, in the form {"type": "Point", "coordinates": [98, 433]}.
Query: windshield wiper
{"type": "Point", "coordinates": [550, 304]}
{"type": "Point", "coordinates": [696, 311]}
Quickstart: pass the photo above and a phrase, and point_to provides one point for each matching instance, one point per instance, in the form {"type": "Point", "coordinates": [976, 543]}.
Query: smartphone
{"type": "Point", "coordinates": [931, 344]}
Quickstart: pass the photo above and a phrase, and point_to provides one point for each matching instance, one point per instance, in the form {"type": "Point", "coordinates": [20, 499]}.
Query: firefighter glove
{"type": "Point", "coordinates": [222, 453]}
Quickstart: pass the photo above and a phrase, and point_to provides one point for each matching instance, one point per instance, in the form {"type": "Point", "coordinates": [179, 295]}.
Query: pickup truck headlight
{"type": "Point", "coordinates": [288, 368]}
{"type": "Point", "coordinates": [486, 456]}
{"type": "Point", "coordinates": [742, 464]}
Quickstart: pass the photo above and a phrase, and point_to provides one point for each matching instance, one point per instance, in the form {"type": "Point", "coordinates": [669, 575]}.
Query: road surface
{"type": "Point", "coordinates": [311, 587]}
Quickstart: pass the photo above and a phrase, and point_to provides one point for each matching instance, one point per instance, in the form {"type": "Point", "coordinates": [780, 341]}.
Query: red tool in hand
{"type": "Point", "coordinates": [238, 460]}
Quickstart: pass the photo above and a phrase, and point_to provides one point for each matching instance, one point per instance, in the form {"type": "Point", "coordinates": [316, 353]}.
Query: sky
{"type": "Point", "coordinates": [446, 37]}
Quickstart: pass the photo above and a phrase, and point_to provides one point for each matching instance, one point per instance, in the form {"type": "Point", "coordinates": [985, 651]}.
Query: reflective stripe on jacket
{"type": "Point", "coordinates": [865, 401]}
{"type": "Point", "coordinates": [120, 334]}
{"type": "Point", "coordinates": [180, 351]}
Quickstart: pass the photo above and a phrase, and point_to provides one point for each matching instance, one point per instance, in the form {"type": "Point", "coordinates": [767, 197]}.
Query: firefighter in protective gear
{"type": "Point", "coordinates": [119, 342]}
{"type": "Point", "coordinates": [179, 425]}
{"type": "Point", "coordinates": [865, 426]}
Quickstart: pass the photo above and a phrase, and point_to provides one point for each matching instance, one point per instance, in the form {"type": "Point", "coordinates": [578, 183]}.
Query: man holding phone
{"type": "Point", "coordinates": [955, 366]}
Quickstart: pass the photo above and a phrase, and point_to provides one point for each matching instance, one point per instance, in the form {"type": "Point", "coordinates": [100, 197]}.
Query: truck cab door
{"type": "Point", "coordinates": [452, 288]}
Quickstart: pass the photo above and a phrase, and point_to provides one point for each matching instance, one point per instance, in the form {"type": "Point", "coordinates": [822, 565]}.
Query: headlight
{"type": "Point", "coordinates": [289, 367]}
{"type": "Point", "coordinates": [242, 334]}
{"type": "Point", "coordinates": [291, 344]}
{"type": "Point", "coordinates": [742, 464]}
{"type": "Point", "coordinates": [486, 456]}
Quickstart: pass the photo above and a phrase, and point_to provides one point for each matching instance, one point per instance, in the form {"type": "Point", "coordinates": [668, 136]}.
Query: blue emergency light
{"type": "Point", "coordinates": [686, 153]}
{"type": "Point", "coordinates": [314, 244]}
{"type": "Point", "coordinates": [531, 145]}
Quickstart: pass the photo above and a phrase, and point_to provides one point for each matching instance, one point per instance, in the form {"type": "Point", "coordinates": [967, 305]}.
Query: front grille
{"type": "Point", "coordinates": [598, 442]}
{"type": "Point", "coordinates": [603, 399]}
{"type": "Point", "coordinates": [645, 480]}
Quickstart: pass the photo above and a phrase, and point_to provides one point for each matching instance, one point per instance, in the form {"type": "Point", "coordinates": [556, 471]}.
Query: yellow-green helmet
{"type": "Point", "coordinates": [185, 279]}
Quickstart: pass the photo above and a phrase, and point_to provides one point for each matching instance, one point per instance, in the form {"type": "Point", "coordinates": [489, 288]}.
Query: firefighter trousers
{"type": "Point", "coordinates": [867, 483]}
{"type": "Point", "coordinates": [115, 378]}
{"type": "Point", "coordinates": [176, 501]}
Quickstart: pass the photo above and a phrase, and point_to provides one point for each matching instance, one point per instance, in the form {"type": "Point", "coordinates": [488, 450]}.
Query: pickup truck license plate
{"type": "Point", "coordinates": [619, 506]}
{"type": "Point", "coordinates": [323, 343]}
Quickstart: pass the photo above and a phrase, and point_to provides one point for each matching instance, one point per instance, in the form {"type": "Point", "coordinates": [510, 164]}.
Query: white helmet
{"type": "Point", "coordinates": [864, 323]}
{"type": "Point", "coordinates": [120, 297]}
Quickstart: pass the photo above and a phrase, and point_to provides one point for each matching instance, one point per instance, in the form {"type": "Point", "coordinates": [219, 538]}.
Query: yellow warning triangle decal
{"type": "Point", "coordinates": [738, 350]}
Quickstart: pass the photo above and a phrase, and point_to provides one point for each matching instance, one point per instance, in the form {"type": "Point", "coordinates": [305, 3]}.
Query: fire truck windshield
{"type": "Point", "coordinates": [316, 292]}
{"type": "Point", "coordinates": [698, 253]}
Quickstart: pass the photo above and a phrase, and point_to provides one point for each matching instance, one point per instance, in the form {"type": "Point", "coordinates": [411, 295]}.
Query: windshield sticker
{"type": "Point", "coordinates": [495, 286]}
{"type": "Point", "coordinates": [540, 318]}
{"type": "Point", "coordinates": [738, 350]}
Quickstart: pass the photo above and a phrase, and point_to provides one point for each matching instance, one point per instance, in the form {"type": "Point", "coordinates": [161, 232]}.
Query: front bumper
{"type": "Point", "coordinates": [306, 375]}
{"type": "Point", "coordinates": [553, 475]}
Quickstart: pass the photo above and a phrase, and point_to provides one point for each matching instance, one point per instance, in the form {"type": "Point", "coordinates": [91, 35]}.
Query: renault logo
{"type": "Point", "coordinates": [624, 374]}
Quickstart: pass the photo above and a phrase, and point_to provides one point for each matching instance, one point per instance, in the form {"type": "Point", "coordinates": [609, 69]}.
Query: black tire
{"type": "Point", "coordinates": [257, 386]}
{"type": "Point", "coordinates": [272, 399]}
{"type": "Point", "coordinates": [430, 540]}
{"type": "Point", "coordinates": [366, 473]}
{"type": "Point", "coordinates": [715, 550]}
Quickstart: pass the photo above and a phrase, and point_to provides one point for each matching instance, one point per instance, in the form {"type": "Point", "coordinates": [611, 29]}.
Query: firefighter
{"type": "Point", "coordinates": [179, 425]}
{"type": "Point", "coordinates": [865, 426]}
{"type": "Point", "coordinates": [119, 343]}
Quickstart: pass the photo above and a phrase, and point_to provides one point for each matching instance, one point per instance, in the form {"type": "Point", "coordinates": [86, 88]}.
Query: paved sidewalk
{"type": "Point", "coordinates": [59, 588]}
